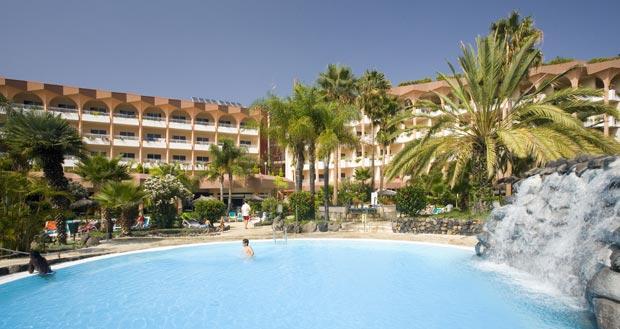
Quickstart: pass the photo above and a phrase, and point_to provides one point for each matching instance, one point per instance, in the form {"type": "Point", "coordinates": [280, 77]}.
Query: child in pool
{"type": "Point", "coordinates": [247, 249]}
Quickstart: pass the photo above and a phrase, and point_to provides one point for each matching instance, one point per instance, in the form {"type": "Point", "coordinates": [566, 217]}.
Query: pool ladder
{"type": "Point", "coordinates": [284, 239]}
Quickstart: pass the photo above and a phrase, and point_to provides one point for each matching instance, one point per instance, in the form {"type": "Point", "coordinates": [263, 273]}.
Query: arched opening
{"type": "Point", "coordinates": [248, 123]}
{"type": "Point", "coordinates": [62, 103]}
{"type": "Point", "coordinates": [227, 121]}
{"type": "Point", "coordinates": [615, 86]}
{"type": "Point", "coordinates": [204, 119]}
{"type": "Point", "coordinates": [591, 82]}
{"type": "Point", "coordinates": [95, 107]}
{"type": "Point", "coordinates": [180, 116]}
{"type": "Point", "coordinates": [561, 83]}
{"type": "Point", "coordinates": [126, 110]}
{"type": "Point", "coordinates": [28, 100]}
{"type": "Point", "coordinates": [154, 113]}
{"type": "Point", "coordinates": [408, 102]}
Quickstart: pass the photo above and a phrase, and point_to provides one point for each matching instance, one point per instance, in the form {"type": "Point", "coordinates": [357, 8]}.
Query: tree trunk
{"type": "Point", "coordinates": [230, 187]}
{"type": "Point", "coordinates": [299, 171]}
{"type": "Point", "coordinates": [52, 169]}
{"type": "Point", "coordinates": [337, 179]}
{"type": "Point", "coordinates": [222, 188]}
{"type": "Point", "coordinates": [372, 159]}
{"type": "Point", "coordinates": [107, 219]}
{"type": "Point", "coordinates": [326, 187]}
{"type": "Point", "coordinates": [311, 167]}
{"type": "Point", "coordinates": [381, 170]}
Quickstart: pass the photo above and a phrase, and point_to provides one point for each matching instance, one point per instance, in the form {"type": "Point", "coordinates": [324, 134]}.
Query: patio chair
{"type": "Point", "coordinates": [51, 229]}
{"type": "Point", "coordinates": [232, 216]}
{"type": "Point", "coordinates": [193, 224]}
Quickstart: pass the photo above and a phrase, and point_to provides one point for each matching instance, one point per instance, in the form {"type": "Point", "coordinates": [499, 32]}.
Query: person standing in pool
{"type": "Point", "coordinates": [247, 249]}
{"type": "Point", "coordinates": [245, 212]}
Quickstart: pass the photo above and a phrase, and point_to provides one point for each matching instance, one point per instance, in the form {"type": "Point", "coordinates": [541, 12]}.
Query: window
{"type": "Point", "coordinates": [179, 118]}
{"type": "Point", "coordinates": [153, 156]}
{"type": "Point", "coordinates": [203, 121]}
{"type": "Point", "coordinates": [359, 154]}
{"type": "Point", "coordinates": [98, 109]}
{"type": "Point", "coordinates": [128, 155]}
{"type": "Point", "coordinates": [179, 138]}
{"type": "Point", "coordinates": [177, 157]}
{"type": "Point", "coordinates": [202, 140]}
{"type": "Point", "coordinates": [321, 176]}
{"type": "Point", "coordinates": [359, 134]}
{"type": "Point", "coordinates": [98, 132]}
{"type": "Point", "coordinates": [225, 123]}
{"type": "Point", "coordinates": [33, 103]}
{"type": "Point", "coordinates": [245, 143]}
{"type": "Point", "coordinates": [343, 175]}
{"type": "Point", "coordinates": [408, 103]}
{"type": "Point", "coordinates": [127, 113]}
{"type": "Point", "coordinates": [66, 106]}
{"type": "Point", "coordinates": [127, 134]}
{"type": "Point", "coordinates": [153, 137]}
{"type": "Point", "coordinates": [202, 159]}
{"type": "Point", "coordinates": [151, 115]}
{"type": "Point", "coordinates": [342, 155]}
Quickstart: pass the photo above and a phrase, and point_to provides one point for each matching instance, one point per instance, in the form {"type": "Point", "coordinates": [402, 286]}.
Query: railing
{"type": "Point", "coordinates": [179, 141]}
{"type": "Point", "coordinates": [28, 106]}
{"type": "Point", "coordinates": [95, 112]}
{"type": "Point", "coordinates": [124, 115]}
{"type": "Point", "coordinates": [154, 139]}
{"type": "Point", "coordinates": [146, 117]}
{"type": "Point", "coordinates": [180, 121]}
{"type": "Point", "coordinates": [205, 123]}
{"type": "Point", "coordinates": [203, 142]}
{"type": "Point", "coordinates": [62, 109]}
{"type": "Point", "coordinates": [227, 125]}
{"type": "Point", "coordinates": [96, 136]}
{"type": "Point", "coordinates": [128, 159]}
{"type": "Point", "coordinates": [132, 138]}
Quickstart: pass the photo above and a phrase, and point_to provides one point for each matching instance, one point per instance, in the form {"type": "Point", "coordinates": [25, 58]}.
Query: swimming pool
{"type": "Point", "coordinates": [305, 284]}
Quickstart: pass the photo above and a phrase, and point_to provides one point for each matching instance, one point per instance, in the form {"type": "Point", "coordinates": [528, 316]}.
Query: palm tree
{"type": "Point", "coordinates": [388, 108]}
{"type": "Point", "coordinates": [373, 87]}
{"type": "Point", "coordinates": [291, 126]}
{"type": "Point", "coordinates": [229, 160]}
{"type": "Point", "coordinates": [473, 134]}
{"type": "Point", "coordinates": [175, 170]}
{"type": "Point", "coordinates": [334, 132]}
{"type": "Point", "coordinates": [338, 85]}
{"type": "Point", "coordinates": [515, 31]}
{"type": "Point", "coordinates": [123, 197]}
{"type": "Point", "coordinates": [215, 172]}
{"type": "Point", "coordinates": [98, 170]}
{"type": "Point", "coordinates": [47, 139]}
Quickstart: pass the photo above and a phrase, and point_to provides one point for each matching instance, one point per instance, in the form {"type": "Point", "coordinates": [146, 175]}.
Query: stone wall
{"type": "Point", "coordinates": [603, 290]}
{"type": "Point", "coordinates": [438, 226]}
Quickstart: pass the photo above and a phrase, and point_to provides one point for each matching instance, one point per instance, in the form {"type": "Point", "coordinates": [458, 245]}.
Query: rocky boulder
{"type": "Point", "coordinates": [615, 258]}
{"type": "Point", "coordinates": [604, 284]}
{"type": "Point", "coordinates": [322, 226]}
{"type": "Point", "coordinates": [309, 227]}
{"type": "Point", "coordinates": [293, 228]}
{"type": "Point", "coordinates": [333, 227]}
{"type": "Point", "coordinates": [92, 241]}
{"type": "Point", "coordinates": [607, 313]}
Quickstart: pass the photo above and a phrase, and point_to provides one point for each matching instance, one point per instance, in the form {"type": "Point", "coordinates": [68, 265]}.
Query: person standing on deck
{"type": "Point", "coordinates": [245, 212]}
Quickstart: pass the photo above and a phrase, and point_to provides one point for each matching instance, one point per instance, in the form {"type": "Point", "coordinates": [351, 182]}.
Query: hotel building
{"type": "Point", "coordinates": [145, 130]}
{"type": "Point", "coordinates": [601, 75]}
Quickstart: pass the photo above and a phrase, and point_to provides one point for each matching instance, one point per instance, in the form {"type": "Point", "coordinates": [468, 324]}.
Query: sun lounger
{"type": "Point", "coordinates": [193, 224]}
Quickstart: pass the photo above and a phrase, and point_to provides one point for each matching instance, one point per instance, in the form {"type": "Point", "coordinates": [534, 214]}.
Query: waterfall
{"type": "Point", "coordinates": [557, 226]}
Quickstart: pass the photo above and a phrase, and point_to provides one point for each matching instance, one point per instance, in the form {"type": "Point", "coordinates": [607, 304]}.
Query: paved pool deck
{"type": "Point", "coordinates": [376, 230]}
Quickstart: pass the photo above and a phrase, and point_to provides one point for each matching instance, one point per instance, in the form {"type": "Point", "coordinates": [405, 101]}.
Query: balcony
{"type": "Point", "coordinates": [126, 141]}
{"type": "Point", "coordinates": [180, 124]}
{"type": "Point", "coordinates": [613, 96]}
{"type": "Point", "coordinates": [154, 142]}
{"type": "Point", "coordinates": [96, 139]}
{"type": "Point", "coordinates": [204, 126]}
{"type": "Point", "coordinates": [405, 138]}
{"type": "Point", "coordinates": [27, 107]}
{"type": "Point", "coordinates": [65, 113]}
{"type": "Point", "coordinates": [252, 149]}
{"type": "Point", "coordinates": [184, 164]}
{"type": "Point", "coordinates": [202, 145]}
{"type": "Point", "coordinates": [180, 144]}
{"type": "Point", "coordinates": [152, 163]}
{"type": "Point", "coordinates": [125, 119]}
{"type": "Point", "coordinates": [149, 121]}
{"type": "Point", "coordinates": [227, 128]}
{"type": "Point", "coordinates": [70, 161]}
{"type": "Point", "coordinates": [95, 116]}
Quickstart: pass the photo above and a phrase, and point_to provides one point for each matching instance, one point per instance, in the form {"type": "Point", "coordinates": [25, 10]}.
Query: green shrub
{"type": "Point", "coordinates": [410, 200]}
{"type": "Point", "coordinates": [270, 205]}
{"type": "Point", "coordinates": [210, 210]}
{"type": "Point", "coordinates": [302, 205]}
{"type": "Point", "coordinates": [602, 59]}
{"type": "Point", "coordinates": [415, 82]}
{"type": "Point", "coordinates": [559, 60]}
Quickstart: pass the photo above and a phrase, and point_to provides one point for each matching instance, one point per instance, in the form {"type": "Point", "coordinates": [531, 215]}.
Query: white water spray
{"type": "Point", "coordinates": [556, 226]}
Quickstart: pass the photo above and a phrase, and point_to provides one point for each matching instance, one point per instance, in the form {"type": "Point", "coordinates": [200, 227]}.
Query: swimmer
{"type": "Point", "coordinates": [247, 249]}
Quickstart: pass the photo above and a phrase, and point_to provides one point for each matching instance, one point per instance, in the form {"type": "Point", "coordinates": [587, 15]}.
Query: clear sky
{"type": "Point", "coordinates": [239, 50]}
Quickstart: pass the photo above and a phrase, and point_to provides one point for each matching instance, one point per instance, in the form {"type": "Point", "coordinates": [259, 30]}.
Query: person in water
{"type": "Point", "coordinates": [38, 263]}
{"type": "Point", "coordinates": [247, 249]}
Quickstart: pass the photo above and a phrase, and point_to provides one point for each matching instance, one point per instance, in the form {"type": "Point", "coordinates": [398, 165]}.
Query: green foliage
{"type": "Point", "coordinates": [302, 205]}
{"type": "Point", "coordinates": [559, 60]}
{"type": "Point", "coordinates": [123, 197]}
{"type": "Point", "coordinates": [163, 194]}
{"type": "Point", "coordinates": [353, 193]}
{"type": "Point", "coordinates": [410, 200]}
{"type": "Point", "coordinates": [415, 82]}
{"type": "Point", "coordinates": [270, 206]}
{"type": "Point", "coordinates": [24, 207]}
{"type": "Point", "coordinates": [602, 59]}
{"type": "Point", "coordinates": [210, 210]}
{"type": "Point", "coordinates": [99, 170]}
{"type": "Point", "coordinates": [228, 161]}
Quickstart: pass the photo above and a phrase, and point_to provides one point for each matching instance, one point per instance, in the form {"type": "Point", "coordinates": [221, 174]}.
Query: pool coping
{"type": "Point", "coordinates": [21, 275]}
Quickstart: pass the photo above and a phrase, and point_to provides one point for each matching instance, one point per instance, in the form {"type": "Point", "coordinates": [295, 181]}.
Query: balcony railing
{"type": "Point", "coordinates": [154, 140]}
{"type": "Point", "coordinates": [130, 138]}
{"type": "Point", "coordinates": [28, 106]}
{"type": "Point", "coordinates": [97, 136]}
{"type": "Point", "coordinates": [226, 125]}
{"type": "Point", "coordinates": [146, 117]}
{"type": "Point", "coordinates": [62, 109]}
{"type": "Point", "coordinates": [204, 123]}
{"type": "Point", "coordinates": [101, 113]}
{"type": "Point", "coordinates": [180, 121]}
{"type": "Point", "coordinates": [125, 115]}
{"type": "Point", "coordinates": [179, 141]}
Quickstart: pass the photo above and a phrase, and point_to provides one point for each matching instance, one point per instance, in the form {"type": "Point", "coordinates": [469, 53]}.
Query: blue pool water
{"type": "Point", "coordinates": [305, 284]}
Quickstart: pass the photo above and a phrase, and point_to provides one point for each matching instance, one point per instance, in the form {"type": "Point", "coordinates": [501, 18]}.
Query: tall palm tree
{"type": "Point", "coordinates": [338, 85]}
{"type": "Point", "coordinates": [389, 108]}
{"type": "Point", "coordinates": [334, 132]}
{"type": "Point", "coordinates": [46, 138]}
{"type": "Point", "coordinates": [215, 172]}
{"type": "Point", "coordinates": [123, 197]}
{"type": "Point", "coordinates": [230, 160]}
{"type": "Point", "coordinates": [291, 126]}
{"type": "Point", "coordinates": [473, 134]}
{"type": "Point", "coordinates": [373, 87]}
{"type": "Point", "coordinates": [99, 170]}
{"type": "Point", "coordinates": [515, 31]}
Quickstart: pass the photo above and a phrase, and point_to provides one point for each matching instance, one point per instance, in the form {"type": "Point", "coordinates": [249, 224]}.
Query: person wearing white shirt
{"type": "Point", "coordinates": [245, 212]}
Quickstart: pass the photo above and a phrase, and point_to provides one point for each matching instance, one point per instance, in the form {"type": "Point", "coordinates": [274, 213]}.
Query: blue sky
{"type": "Point", "coordinates": [239, 50]}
